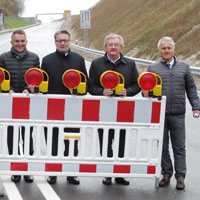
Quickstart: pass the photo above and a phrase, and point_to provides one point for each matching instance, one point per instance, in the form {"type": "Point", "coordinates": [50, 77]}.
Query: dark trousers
{"type": "Point", "coordinates": [10, 139]}
{"type": "Point", "coordinates": [55, 133]}
{"type": "Point", "coordinates": [175, 130]}
{"type": "Point", "coordinates": [111, 136]}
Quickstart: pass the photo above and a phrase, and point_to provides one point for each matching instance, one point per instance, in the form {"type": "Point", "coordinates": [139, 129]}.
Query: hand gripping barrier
{"type": "Point", "coordinates": [75, 124]}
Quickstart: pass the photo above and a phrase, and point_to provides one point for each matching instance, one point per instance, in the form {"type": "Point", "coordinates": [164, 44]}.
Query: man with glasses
{"type": "Point", "coordinates": [55, 64]}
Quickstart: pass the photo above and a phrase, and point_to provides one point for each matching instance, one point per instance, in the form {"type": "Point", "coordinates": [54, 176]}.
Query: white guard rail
{"type": "Point", "coordinates": [194, 70]}
{"type": "Point", "coordinates": [78, 119]}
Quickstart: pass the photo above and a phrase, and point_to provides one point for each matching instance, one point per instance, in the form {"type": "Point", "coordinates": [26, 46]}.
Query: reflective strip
{"type": "Point", "coordinates": [79, 109]}
{"type": "Point", "coordinates": [104, 168]}
{"type": "Point", "coordinates": [125, 111]}
{"type": "Point", "coordinates": [143, 111]}
{"type": "Point", "coordinates": [88, 168]}
{"type": "Point", "coordinates": [72, 137]}
{"type": "Point", "coordinates": [156, 109]}
{"type": "Point", "coordinates": [108, 110]}
{"type": "Point", "coordinates": [20, 109]}
{"type": "Point", "coordinates": [56, 109]}
{"type": "Point", "coordinates": [90, 110]}
{"type": "Point", "coordinates": [122, 169]}
{"type": "Point", "coordinates": [4, 166]}
{"type": "Point", "coordinates": [71, 167]}
{"type": "Point", "coordinates": [138, 169]}
{"type": "Point", "coordinates": [18, 166]}
{"type": "Point", "coordinates": [36, 167]}
{"type": "Point", "coordinates": [73, 109]}
{"type": "Point", "coordinates": [77, 167]}
{"type": "Point", "coordinates": [38, 108]}
{"type": "Point", "coordinates": [53, 167]}
{"type": "Point", "coordinates": [5, 107]}
{"type": "Point", "coordinates": [151, 169]}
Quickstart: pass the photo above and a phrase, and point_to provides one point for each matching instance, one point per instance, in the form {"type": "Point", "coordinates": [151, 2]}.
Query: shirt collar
{"type": "Point", "coordinates": [113, 61]}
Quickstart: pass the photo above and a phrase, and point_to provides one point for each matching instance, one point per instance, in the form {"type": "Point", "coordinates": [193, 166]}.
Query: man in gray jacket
{"type": "Point", "coordinates": [176, 81]}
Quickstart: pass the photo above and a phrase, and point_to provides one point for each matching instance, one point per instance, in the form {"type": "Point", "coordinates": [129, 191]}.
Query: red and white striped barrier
{"type": "Point", "coordinates": [68, 168]}
{"type": "Point", "coordinates": [142, 120]}
{"type": "Point", "coordinates": [69, 108]}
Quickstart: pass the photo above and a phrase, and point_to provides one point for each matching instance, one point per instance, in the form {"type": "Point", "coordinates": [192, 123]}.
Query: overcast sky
{"type": "Point", "coordinates": [33, 7]}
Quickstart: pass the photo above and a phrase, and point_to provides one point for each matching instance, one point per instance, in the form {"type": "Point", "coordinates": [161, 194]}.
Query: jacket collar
{"type": "Point", "coordinates": [63, 55]}
{"type": "Point", "coordinates": [165, 63]}
{"type": "Point", "coordinates": [19, 55]}
{"type": "Point", "coordinates": [121, 60]}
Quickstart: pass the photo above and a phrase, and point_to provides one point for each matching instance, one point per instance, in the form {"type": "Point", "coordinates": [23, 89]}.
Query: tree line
{"type": "Point", "coordinates": [12, 8]}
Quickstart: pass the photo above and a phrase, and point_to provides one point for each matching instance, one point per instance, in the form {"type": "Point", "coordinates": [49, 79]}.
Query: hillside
{"type": "Point", "coordinates": [142, 23]}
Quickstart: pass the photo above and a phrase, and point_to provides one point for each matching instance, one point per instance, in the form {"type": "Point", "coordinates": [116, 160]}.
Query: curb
{"type": "Point", "coordinates": [13, 29]}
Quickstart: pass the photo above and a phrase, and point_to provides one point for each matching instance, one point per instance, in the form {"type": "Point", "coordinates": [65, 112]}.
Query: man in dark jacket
{"type": "Point", "coordinates": [176, 81]}
{"type": "Point", "coordinates": [115, 61]}
{"type": "Point", "coordinates": [55, 64]}
{"type": "Point", "coordinates": [17, 61]}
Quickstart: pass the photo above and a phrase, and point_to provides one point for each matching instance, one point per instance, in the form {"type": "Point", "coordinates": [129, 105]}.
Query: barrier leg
{"type": "Point", "coordinates": [157, 182]}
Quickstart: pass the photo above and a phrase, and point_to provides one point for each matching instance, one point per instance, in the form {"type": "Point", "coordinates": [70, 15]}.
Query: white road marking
{"type": "Point", "coordinates": [46, 189]}
{"type": "Point", "coordinates": [10, 188]}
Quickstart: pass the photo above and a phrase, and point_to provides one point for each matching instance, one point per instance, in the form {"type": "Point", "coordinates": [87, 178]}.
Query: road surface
{"type": "Point", "coordinates": [41, 41]}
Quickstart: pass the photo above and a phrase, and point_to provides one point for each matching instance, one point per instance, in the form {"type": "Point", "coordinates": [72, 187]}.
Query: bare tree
{"type": "Point", "coordinates": [12, 7]}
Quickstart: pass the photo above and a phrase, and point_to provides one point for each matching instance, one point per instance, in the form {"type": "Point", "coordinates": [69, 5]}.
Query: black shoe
{"type": "Point", "coordinates": [121, 181]}
{"type": "Point", "coordinates": [2, 194]}
{"type": "Point", "coordinates": [180, 185]}
{"type": "Point", "coordinates": [165, 181]}
{"type": "Point", "coordinates": [52, 179]}
{"type": "Point", "coordinates": [15, 178]}
{"type": "Point", "coordinates": [28, 179]}
{"type": "Point", "coordinates": [107, 181]}
{"type": "Point", "coordinates": [73, 180]}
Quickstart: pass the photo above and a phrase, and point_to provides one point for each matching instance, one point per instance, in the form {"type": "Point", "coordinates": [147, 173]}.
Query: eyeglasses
{"type": "Point", "coordinates": [60, 41]}
{"type": "Point", "coordinates": [113, 44]}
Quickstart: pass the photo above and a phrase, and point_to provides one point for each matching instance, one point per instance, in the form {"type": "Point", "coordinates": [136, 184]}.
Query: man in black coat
{"type": "Point", "coordinates": [17, 61]}
{"type": "Point", "coordinates": [115, 61]}
{"type": "Point", "coordinates": [55, 64]}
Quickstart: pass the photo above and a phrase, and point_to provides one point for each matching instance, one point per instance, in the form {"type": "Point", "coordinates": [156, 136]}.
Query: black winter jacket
{"type": "Point", "coordinates": [17, 64]}
{"type": "Point", "coordinates": [124, 66]}
{"type": "Point", "coordinates": [55, 64]}
{"type": "Point", "coordinates": [175, 83]}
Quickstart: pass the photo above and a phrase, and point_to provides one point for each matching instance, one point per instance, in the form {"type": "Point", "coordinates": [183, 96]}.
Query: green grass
{"type": "Point", "coordinates": [17, 24]}
{"type": "Point", "coordinates": [142, 23]}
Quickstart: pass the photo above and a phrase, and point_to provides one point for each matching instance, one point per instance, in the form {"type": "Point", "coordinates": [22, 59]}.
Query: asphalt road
{"type": "Point", "coordinates": [40, 40]}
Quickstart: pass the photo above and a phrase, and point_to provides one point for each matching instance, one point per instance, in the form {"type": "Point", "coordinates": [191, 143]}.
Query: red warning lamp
{"type": "Point", "coordinates": [4, 80]}
{"type": "Point", "coordinates": [75, 81]}
{"type": "Point", "coordinates": [110, 80]}
{"type": "Point", "coordinates": [33, 77]}
{"type": "Point", "coordinates": [2, 76]}
{"type": "Point", "coordinates": [151, 82]}
{"type": "Point", "coordinates": [147, 81]}
{"type": "Point", "coordinates": [71, 79]}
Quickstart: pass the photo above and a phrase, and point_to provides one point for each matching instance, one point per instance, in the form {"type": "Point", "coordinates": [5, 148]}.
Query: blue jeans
{"type": "Point", "coordinates": [175, 130]}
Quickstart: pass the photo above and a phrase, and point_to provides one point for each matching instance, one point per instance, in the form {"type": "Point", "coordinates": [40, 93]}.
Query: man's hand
{"type": "Point", "coordinates": [107, 92]}
{"type": "Point", "coordinates": [26, 91]}
{"type": "Point", "coordinates": [196, 113]}
{"type": "Point", "coordinates": [145, 93]}
{"type": "Point", "coordinates": [11, 91]}
{"type": "Point", "coordinates": [123, 92]}
{"type": "Point", "coordinates": [31, 88]}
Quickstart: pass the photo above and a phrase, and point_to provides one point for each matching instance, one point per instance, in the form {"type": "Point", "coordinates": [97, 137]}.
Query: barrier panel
{"type": "Point", "coordinates": [75, 124]}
